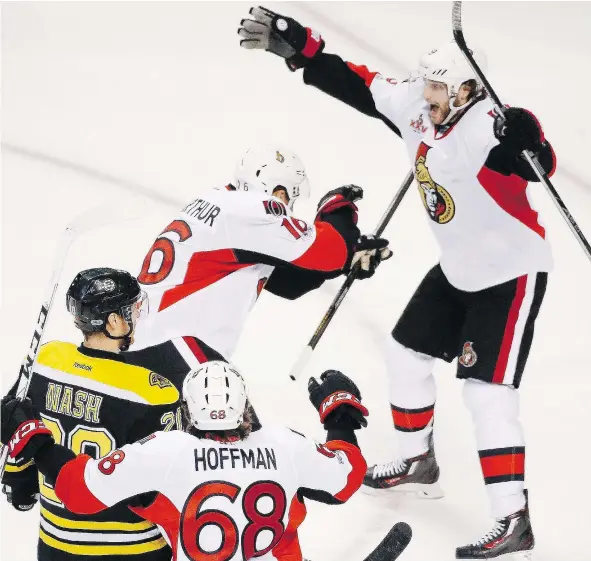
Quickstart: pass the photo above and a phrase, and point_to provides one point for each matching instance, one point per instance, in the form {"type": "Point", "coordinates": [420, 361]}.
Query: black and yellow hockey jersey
{"type": "Point", "coordinates": [94, 402]}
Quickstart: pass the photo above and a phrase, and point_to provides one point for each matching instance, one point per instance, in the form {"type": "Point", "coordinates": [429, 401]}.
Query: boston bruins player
{"type": "Point", "coordinates": [93, 402]}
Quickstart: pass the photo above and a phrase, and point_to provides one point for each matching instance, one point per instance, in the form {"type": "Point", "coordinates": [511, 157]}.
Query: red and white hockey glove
{"type": "Point", "coordinates": [338, 401]}
{"type": "Point", "coordinates": [280, 35]}
{"type": "Point", "coordinates": [21, 429]}
{"type": "Point", "coordinates": [341, 197]}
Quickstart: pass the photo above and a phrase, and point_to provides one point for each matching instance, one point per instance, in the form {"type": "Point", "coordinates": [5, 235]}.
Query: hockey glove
{"type": "Point", "coordinates": [341, 197]}
{"type": "Point", "coordinates": [280, 35]}
{"type": "Point", "coordinates": [369, 253]}
{"type": "Point", "coordinates": [21, 429]}
{"type": "Point", "coordinates": [21, 498]}
{"type": "Point", "coordinates": [518, 131]}
{"type": "Point", "coordinates": [338, 401]}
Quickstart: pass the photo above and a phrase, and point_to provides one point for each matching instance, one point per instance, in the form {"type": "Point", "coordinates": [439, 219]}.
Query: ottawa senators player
{"type": "Point", "coordinates": [478, 306]}
{"type": "Point", "coordinates": [217, 488]}
{"type": "Point", "coordinates": [207, 268]}
{"type": "Point", "coordinates": [93, 401]}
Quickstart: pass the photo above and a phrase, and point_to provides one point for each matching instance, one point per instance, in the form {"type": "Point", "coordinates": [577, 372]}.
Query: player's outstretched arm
{"type": "Point", "coordinates": [302, 47]}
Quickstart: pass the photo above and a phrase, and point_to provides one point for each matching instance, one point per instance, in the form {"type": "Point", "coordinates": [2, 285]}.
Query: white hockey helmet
{"type": "Point", "coordinates": [265, 168]}
{"type": "Point", "coordinates": [447, 64]}
{"type": "Point", "coordinates": [215, 394]}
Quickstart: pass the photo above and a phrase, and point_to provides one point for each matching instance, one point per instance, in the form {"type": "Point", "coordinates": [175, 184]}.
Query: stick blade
{"type": "Point", "coordinates": [393, 544]}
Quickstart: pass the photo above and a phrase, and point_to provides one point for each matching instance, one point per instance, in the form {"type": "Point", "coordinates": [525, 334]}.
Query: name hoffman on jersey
{"type": "Point", "coordinates": [214, 458]}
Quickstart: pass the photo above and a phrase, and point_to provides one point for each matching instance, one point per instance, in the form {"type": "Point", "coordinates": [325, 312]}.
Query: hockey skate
{"type": "Point", "coordinates": [417, 476]}
{"type": "Point", "coordinates": [511, 539]}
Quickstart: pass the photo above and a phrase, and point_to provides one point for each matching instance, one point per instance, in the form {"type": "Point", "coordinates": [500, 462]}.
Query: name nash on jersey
{"type": "Point", "coordinates": [79, 404]}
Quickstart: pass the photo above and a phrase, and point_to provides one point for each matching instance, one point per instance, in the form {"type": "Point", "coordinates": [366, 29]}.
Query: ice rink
{"type": "Point", "coordinates": [122, 102]}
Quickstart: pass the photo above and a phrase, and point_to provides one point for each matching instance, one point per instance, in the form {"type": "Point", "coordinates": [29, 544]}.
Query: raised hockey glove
{"type": "Point", "coordinates": [341, 197]}
{"type": "Point", "coordinates": [21, 429]}
{"type": "Point", "coordinates": [338, 401]}
{"type": "Point", "coordinates": [518, 131]}
{"type": "Point", "coordinates": [280, 35]}
{"type": "Point", "coordinates": [369, 253]}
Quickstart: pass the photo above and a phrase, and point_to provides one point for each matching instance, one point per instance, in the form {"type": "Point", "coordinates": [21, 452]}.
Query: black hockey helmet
{"type": "Point", "coordinates": [96, 293]}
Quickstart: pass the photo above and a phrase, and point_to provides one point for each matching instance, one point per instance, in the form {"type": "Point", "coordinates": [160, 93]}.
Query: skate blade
{"type": "Point", "coordinates": [418, 490]}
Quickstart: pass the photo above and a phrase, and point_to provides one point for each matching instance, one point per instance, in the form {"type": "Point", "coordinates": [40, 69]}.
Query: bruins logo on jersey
{"type": "Point", "coordinates": [436, 199]}
{"type": "Point", "coordinates": [279, 157]}
{"type": "Point", "coordinates": [160, 381]}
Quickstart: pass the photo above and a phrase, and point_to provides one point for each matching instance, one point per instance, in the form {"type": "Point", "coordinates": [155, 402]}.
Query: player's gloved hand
{"type": "Point", "coordinates": [280, 35]}
{"type": "Point", "coordinates": [341, 197]}
{"type": "Point", "coordinates": [369, 253]}
{"type": "Point", "coordinates": [518, 131]}
{"type": "Point", "coordinates": [338, 401]}
{"type": "Point", "coordinates": [20, 498]}
{"type": "Point", "coordinates": [21, 429]}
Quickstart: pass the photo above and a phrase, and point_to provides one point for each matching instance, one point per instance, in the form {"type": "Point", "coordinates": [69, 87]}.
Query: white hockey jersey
{"type": "Point", "coordinates": [219, 501]}
{"type": "Point", "coordinates": [205, 271]}
{"type": "Point", "coordinates": [484, 223]}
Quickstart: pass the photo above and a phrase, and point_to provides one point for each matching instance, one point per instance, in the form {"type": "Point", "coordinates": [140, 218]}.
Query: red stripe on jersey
{"type": "Point", "coordinates": [328, 252]}
{"type": "Point", "coordinates": [205, 268]}
{"type": "Point", "coordinates": [288, 548]}
{"type": "Point", "coordinates": [165, 514]}
{"type": "Point", "coordinates": [509, 193]}
{"type": "Point", "coordinates": [512, 317]}
{"type": "Point", "coordinates": [70, 487]}
{"type": "Point", "coordinates": [506, 464]}
{"type": "Point", "coordinates": [363, 72]}
{"type": "Point", "coordinates": [358, 464]}
{"type": "Point", "coordinates": [195, 349]}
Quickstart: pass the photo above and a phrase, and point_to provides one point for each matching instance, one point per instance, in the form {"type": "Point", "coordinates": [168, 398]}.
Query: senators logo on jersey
{"type": "Point", "coordinates": [436, 199]}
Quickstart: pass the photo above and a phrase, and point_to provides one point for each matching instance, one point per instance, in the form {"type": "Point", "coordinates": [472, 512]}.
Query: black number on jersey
{"type": "Point", "coordinates": [193, 520]}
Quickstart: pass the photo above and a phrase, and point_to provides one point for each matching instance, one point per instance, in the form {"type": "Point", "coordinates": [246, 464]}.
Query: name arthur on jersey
{"type": "Point", "coordinates": [226, 457]}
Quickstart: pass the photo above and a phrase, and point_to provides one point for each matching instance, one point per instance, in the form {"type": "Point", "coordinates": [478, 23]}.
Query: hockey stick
{"type": "Point", "coordinates": [393, 544]}
{"type": "Point", "coordinates": [532, 160]}
{"type": "Point", "coordinates": [84, 222]}
{"type": "Point", "coordinates": [306, 354]}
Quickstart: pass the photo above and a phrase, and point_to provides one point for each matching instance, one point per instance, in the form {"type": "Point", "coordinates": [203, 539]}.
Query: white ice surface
{"type": "Point", "coordinates": [103, 101]}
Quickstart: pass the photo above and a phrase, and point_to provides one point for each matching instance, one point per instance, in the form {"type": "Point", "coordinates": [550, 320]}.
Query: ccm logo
{"type": "Point", "coordinates": [17, 443]}
{"type": "Point", "coordinates": [334, 398]}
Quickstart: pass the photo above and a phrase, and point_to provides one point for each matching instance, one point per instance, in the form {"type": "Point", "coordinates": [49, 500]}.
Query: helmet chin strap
{"type": "Point", "coordinates": [455, 111]}
{"type": "Point", "coordinates": [126, 339]}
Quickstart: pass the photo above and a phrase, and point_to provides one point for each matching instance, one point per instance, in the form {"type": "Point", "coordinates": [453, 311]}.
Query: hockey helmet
{"type": "Point", "coordinates": [447, 64]}
{"type": "Point", "coordinates": [96, 293]}
{"type": "Point", "coordinates": [266, 168]}
{"type": "Point", "coordinates": [215, 394]}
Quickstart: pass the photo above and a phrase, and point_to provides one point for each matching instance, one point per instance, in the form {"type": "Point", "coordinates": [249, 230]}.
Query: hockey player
{"type": "Point", "coordinates": [91, 401]}
{"type": "Point", "coordinates": [480, 303]}
{"type": "Point", "coordinates": [219, 491]}
{"type": "Point", "coordinates": [206, 270]}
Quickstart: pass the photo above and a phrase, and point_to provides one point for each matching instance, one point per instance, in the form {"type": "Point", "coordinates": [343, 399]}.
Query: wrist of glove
{"type": "Point", "coordinates": [338, 401]}
{"type": "Point", "coordinates": [21, 429]}
{"type": "Point", "coordinates": [369, 253]}
{"type": "Point", "coordinates": [519, 130]}
{"type": "Point", "coordinates": [342, 197]}
{"type": "Point", "coordinates": [280, 35]}
{"type": "Point", "coordinates": [20, 499]}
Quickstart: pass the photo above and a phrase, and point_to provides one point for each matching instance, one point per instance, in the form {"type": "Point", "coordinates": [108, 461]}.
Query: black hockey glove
{"type": "Point", "coordinates": [369, 253]}
{"type": "Point", "coordinates": [341, 197]}
{"type": "Point", "coordinates": [21, 429]}
{"type": "Point", "coordinates": [280, 35]}
{"type": "Point", "coordinates": [21, 498]}
{"type": "Point", "coordinates": [338, 401]}
{"type": "Point", "coordinates": [518, 131]}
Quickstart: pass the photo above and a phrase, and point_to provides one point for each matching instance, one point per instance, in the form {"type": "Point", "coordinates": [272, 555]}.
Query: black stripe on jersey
{"type": "Point", "coordinates": [504, 478]}
{"type": "Point", "coordinates": [73, 540]}
{"type": "Point", "coordinates": [48, 553]}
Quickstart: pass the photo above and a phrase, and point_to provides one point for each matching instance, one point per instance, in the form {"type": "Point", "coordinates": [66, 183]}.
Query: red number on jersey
{"type": "Point", "coordinates": [193, 521]}
{"type": "Point", "coordinates": [292, 225]}
{"type": "Point", "coordinates": [108, 463]}
{"type": "Point", "coordinates": [166, 247]}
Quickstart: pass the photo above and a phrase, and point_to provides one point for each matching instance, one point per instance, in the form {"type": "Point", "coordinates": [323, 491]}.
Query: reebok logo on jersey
{"type": "Point", "coordinates": [83, 366]}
